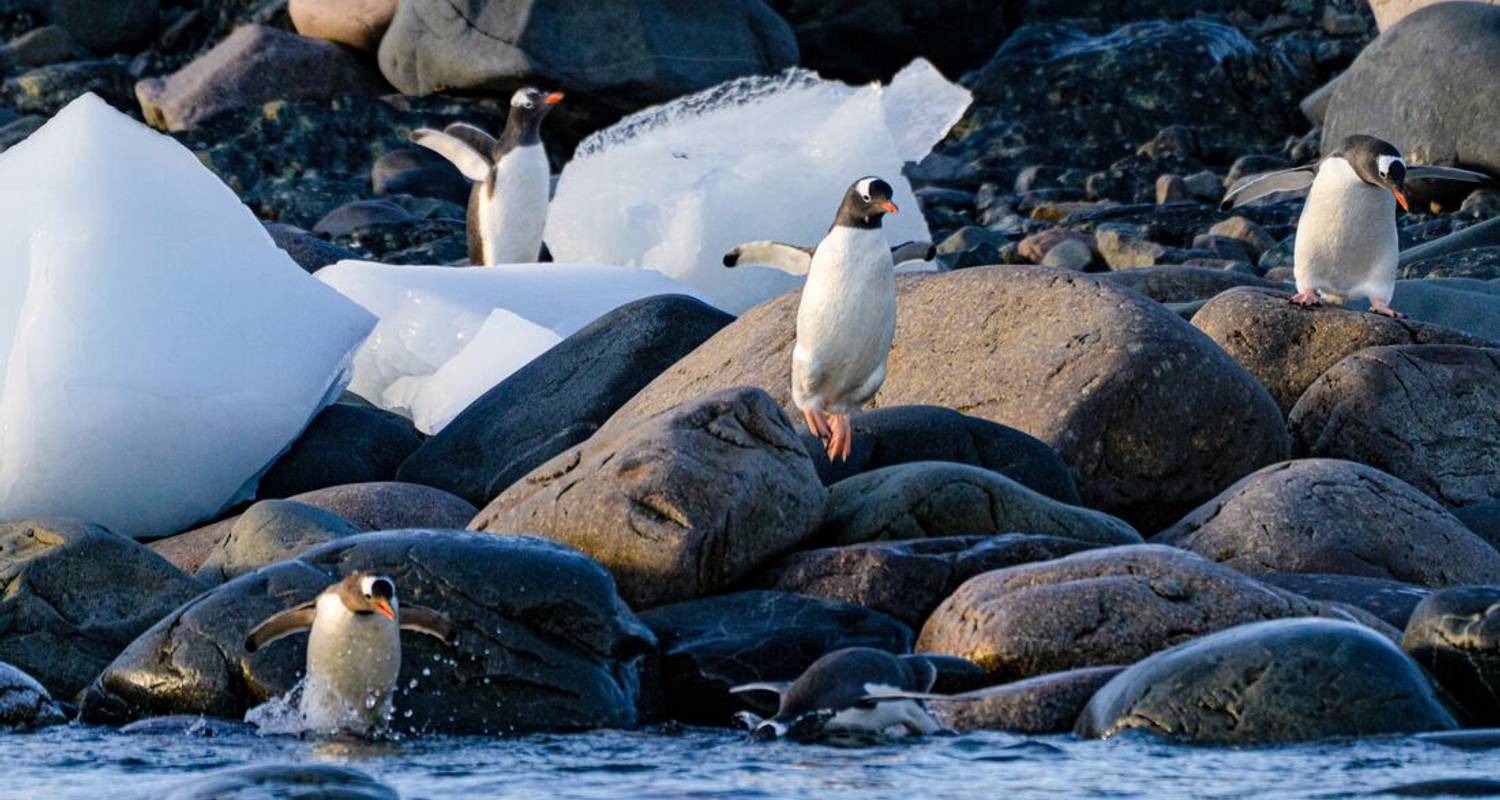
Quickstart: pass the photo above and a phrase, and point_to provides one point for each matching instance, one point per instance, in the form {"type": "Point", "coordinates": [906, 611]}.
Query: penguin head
{"type": "Point", "coordinates": [866, 203]}
{"type": "Point", "coordinates": [531, 104]}
{"type": "Point", "coordinates": [1378, 163]}
{"type": "Point", "coordinates": [368, 593]}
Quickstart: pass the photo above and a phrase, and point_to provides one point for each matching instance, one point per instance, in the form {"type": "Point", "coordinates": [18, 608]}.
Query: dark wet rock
{"type": "Point", "coordinates": [45, 90]}
{"type": "Point", "coordinates": [105, 26]}
{"type": "Point", "coordinates": [261, 781]}
{"type": "Point", "coordinates": [708, 646]}
{"type": "Point", "coordinates": [1423, 413]}
{"type": "Point", "coordinates": [544, 642]}
{"type": "Point", "coordinates": [1390, 601]}
{"type": "Point", "coordinates": [413, 241]}
{"type": "Point", "coordinates": [1287, 348]}
{"type": "Point", "coordinates": [1070, 254]}
{"type": "Point", "coordinates": [344, 444]}
{"type": "Point", "coordinates": [268, 532]}
{"type": "Point", "coordinates": [75, 596]}
{"type": "Point", "coordinates": [1335, 517]}
{"type": "Point", "coordinates": [13, 133]}
{"type": "Point", "coordinates": [1484, 739]}
{"type": "Point", "coordinates": [1280, 681]}
{"type": "Point", "coordinates": [1444, 787]}
{"type": "Point", "coordinates": [254, 66]}
{"type": "Point", "coordinates": [310, 252]}
{"type": "Point", "coordinates": [560, 398]}
{"type": "Point", "coordinates": [1463, 304]}
{"type": "Point", "coordinates": [299, 200]}
{"type": "Point", "coordinates": [419, 172]}
{"type": "Point", "coordinates": [1183, 284]}
{"type": "Point", "coordinates": [906, 579]}
{"type": "Point", "coordinates": [25, 703]}
{"type": "Point", "coordinates": [864, 40]}
{"type": "Point", "coordinates": [350, 217]}
{"type": "Point", "coordinates": [359, 24]}
{"type": "Point", "coordinates": [50, 44]}
{"type": "Point", "coordinates": [1092, 370]}
{"type": "Point", "coordinates": [1483, 519]}
{"type": "Point", "coordinates": [1109, 606]}
{"type": "Point", "coordinates": [1455, 634]}
{"type": "Point", "coordinates": [926, 499]}
{"type": "Point", "coordinates": [1044, 704]}
{"type": "Point", "coordinates": [1482, 263]}
{"type": "Point", "coordinates": [1175, 225]}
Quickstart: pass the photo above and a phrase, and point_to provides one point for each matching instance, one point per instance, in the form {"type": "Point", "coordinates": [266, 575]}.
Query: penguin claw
{"type": "Point", "coordinates": [1387, 311]}
{"type": "Point", "coordinates": [1307, 299]}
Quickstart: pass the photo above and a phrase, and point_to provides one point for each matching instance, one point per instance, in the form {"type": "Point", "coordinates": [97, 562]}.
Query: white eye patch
{"type": "Point", "coordinates": [522, 97]}
{"type": "Point", "coordinates": [1385, 162]}
{"type": "Point", "coordinates": [863, 187]}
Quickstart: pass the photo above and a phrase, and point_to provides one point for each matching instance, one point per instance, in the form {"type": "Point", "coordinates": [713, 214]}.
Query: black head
{"type": "Point", "coordinates": [528, 107]}
{"type": "Point", "coordinates": [1377, 162]}
{"type": "Point", "coordinates": [865, 204]}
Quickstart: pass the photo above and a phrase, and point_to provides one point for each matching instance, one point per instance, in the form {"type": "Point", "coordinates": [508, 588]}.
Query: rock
{"type": "Point", "coordinates": [1183, 284]}
{"type": "Point", "coordinates": [45, 90]}
{"type": "Point", "coordinates": [906, 579]}
{"type": "Point", "coordinates": [1206, 186]}
{"type": "Point", "coordinates": [1390, 601]}
{"type": "Point", "coordinates": [1170, 188]}
{"type": "Point", "coordinates": [1336, 517]}
{"type": "Point", "coordinates": [268, 532]}
{"type": "Point", "coordinates": [544, 641]}
{"type": "Point", "coordinates": [1225, 248]}
{"type": "Point", "coordinates": [1459, 303]}
{"type": "Point", "coordinates": [357, 23]}
{"type": "Point", "coordinates": [1436, 401]}
{"type": "Point", "coordinates": [310, 252]}
{"type": "Point", "coordinates": [1124, 247]}
{"type": "Point", "coordinates": [1253, 235]}
{"type": "Point", "coordinates": [419, 172]}
{"type": "Point", "coordinates": [324, 781]}
{"type": "Point", "coordinates": [929, 499]}
{"type": "Point", "coordinates": [1035, 247]}
{"type": "Point", "coordinates": [105, 26]}
{"type": "Point", "coordinates": [1272, 682]}
{"type": "Point", "coordinates": [1045, 704]}
{"type": "Point", "coordinates": [1444, 787]}
{"type": "Point", "coordinates": [13, 133]}
{"type": "Point", "coordinates": [678, 506]}
{"type": "Point", "coordinates": [1109, 606]}
{"type": "Point", "coordinates": [344, 444]}
{"type": "Point", "coordinates": [627, 55]}
{"type": "Point", "coordinates": [1390, 12]}
{"type": "Point", "coordinates": [1482, 263]}
{"type": "Point", "coordinates": [864, 40]}
{"type": "Point", "coordinates": [254, 66]}
{"type": "Point", "coordinates": [1069, 254]}
{"type": "Point", "coordinates": [1287, 348]}
{"type": "Point", "coordinates": [561, 398]}
{"type": "Point", "coordinates": [350, 217]}
{"type": "Point", "coordinates": [1483, 519]}
{"type": "Point", "coordinates": [49, 44]}
{"type": "Point", "coordinates": [76, 596]}
{"type": "Point", "coordinates": [1089, 369]}
{"type": "Point", "coordinates": [710, 645]}
{"type": "Point", "coordinates": [1455, 634]}
{"type": "Point", "coordinates": [24, 703]}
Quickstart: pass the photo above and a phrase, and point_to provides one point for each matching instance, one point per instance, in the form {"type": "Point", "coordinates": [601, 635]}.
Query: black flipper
{"type": "Point", "coordinates": [433, 623]}
{"type": "Point", "coordinates": [284, 623]}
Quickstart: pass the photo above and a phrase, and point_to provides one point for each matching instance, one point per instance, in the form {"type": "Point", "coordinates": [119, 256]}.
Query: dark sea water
{"type": "Point", "coordinates": [91, 762]}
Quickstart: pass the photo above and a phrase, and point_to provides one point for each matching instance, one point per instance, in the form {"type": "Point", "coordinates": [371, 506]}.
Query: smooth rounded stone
{"type": "Point", "coordinates": [1292, 680]}
{"type": "Point", "coordinates": [1247, 231]}
{"type": "Point", "coordinates": [284, 782]}
{"type": "Point", "coordinates": [906, 579]}
{"type": "Point", "coordinates": [1462, 304]}
{"type": "Point", "coordinates": [1483, 519]}
{"type": "Point", "coordinates": [632, 53]}
{"type": "Point", "coordinates": [1035, 247]}
{"type": "Point", "coordinates": [25, 703]}
{"type": "Point", "coordinates": [544, 642]}
{"type": "Point", "coordinates": [351, 217]}
{"type": "Point", "coordinates": [1069, 254]}
{"type": "Point", "coordinates": [418, 172]}
{"type": "Point", "coordinates": [253, 66]}
{"type": "Point", "coordinates": [268, 532]}
{"type": "Point", "coordinates": [45, 90]}
{"type": "Point", "coordinates": [310, 252]}
{"type": "Point", "coordinates": [75, 596]}
{"type": "Point", "coordinates": [1444, 787]}
{"type": "Point", "coordinates": [1183, 284]}
{"type": "Point", "coordinates": [1390, 601]}
{"type": "Point", "coordinates": [864, 40]}
{"type": "Point", "coordinates": [1455, 634]}
{"type": "Point", "coordinates": [934, 498]}
{"type": "Point", "coordinates": [1149, 415]}
{"type": "Point", "coordinates": [1287, 348]}
{"type": "Point", "coordinates": [344, 444]}
{"type": "Point", "coordinates": [1110, 606]}
{"type": "Point", "coordinates": [105, 26]}
{"type": "Point", "coordinates": [561, 397]}
{"type": "Point", "coordinates": [1437, 401]}
{"type": "Point", "coordinates": [1327, 516]}
{"type": "Point", "coordinates": [1480, 263]}
{"type": "Point", "coordinates": [708, 646]}
{"type": "Point", "coordinates": [1045, 704]}
{"type": "Point", "coordinates": [49, 44]}
{"type": "Point", "coordinates": [679, 506]}
{"type": "Point", "coordinates": [357, 23]}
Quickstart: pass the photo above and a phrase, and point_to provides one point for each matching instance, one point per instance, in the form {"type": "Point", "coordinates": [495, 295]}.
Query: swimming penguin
{"type": "Point", "coordinates": [512, 180]}
{"type": "Point", "coordinates": [1346, 239]}
{"type": "Point", "coordinates": [858, 690]}
{"type": "Point", "coordinates": [847, 317]}
{"type": "Point", "coordinates": [353, 650]}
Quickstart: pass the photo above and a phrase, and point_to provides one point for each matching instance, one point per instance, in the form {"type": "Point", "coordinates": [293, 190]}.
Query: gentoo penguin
{"type": "Point", "coordinates": [353, 650]}
{"type": "Point", "coordinates": [847, 317]}
{"type": "Point", "coordinates": [512, 180]}
{"type": "Point", "coordinates": [1346, 244]}
{"type": "Point", "coordinates": [858, 690]}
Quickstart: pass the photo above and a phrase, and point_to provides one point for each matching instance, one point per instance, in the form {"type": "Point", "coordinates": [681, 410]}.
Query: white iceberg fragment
{"type": "Point", "coordinates": [767, 157]}
{"type": "Point", "coordinates": [157, 350]}
{"type": "Point", "coordinates": [431, 315]}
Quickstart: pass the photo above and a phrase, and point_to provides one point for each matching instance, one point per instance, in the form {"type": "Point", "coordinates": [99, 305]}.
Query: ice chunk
{"type": "Point", "coordinates": [429, 315]}
{"type": "Point", "coordinates": [158, 351]}
{"type": "Point", "coordinates": [505, 343]}
{"type": "Point", "coordinates": [766, 157]}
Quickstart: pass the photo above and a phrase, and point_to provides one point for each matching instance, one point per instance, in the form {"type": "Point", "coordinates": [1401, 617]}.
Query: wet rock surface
{"type": "Point", "coordinates": [1390, 601]}
{"type": "Point", "coordinates": [1044, 704]}
{"type": "Point", "coordinates": [1455, 635]}
{"type": "Point", "coordinates": [24, 703]}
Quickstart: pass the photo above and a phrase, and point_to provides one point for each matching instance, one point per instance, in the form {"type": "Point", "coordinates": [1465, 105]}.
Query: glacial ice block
{"type": "Point", "coordinates": [765, 157]}
{"type": "Point", "coordinates": [429, 315]}
{"type": "Point", "coordinates": [157, 350]}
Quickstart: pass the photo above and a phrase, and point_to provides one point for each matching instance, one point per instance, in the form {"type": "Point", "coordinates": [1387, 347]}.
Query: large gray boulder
{"type": "Point", "coordinates": [263, 781]}
{"type": "Point", "coordinates": [24, 703]}
{"type": "Point", "coordinates": [1455, 634]}
{"type": "Point", "coordinates": [1390, 601]}
{"type": "Point", "coordinates": [544, 642]}
{"type": "Point", "coordinates": [343, 444]}
{"type": "Point", "coordinates": [1284, 681]}
{"type": "Point", "coordinates": [1045, 704]}
{"type": "Point", "coordinates": [268, 532]}
{"type": "Point", "coordinates": [864, 40]}
{"type": "Point", "coordinates": [105, 26]}
{"type": "Point", "coordinates": [1389, 12]}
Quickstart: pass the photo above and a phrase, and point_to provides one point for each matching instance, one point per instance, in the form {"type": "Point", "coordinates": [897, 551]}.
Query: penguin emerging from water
{"type": "Point", "coordinates": [353, 650]}
{"type": "Point", "coordinates": [858, 690]}
{"type": "Point", "coordinates": [512, 179]}
{"type": "Point", "coordinates": [1346, 244]}
{"type": "Point", "coordinates": [847, 317]}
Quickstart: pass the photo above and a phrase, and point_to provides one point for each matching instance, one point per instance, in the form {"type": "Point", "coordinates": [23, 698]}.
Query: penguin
{"type": "Point", "coordinates": [1346, 245]}
{"type": "Point", "coordinates": [857, 691]}
{"type": "Point", "coordinates": [353, 650]}
{"type": "Point", "coordinates": [511, 176]}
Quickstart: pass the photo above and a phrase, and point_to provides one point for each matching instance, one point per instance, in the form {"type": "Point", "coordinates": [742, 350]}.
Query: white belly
{"type": "Point", "coordinates": [513, 216]}
{"type": "Point", "coordinates": [845, 322]}
{"type": "Point", "coordinates": [895, 717]}
{"type": "Point", "coordinates": [352, 664]}
{"type": "Point", "coordinates": [1346, 239]}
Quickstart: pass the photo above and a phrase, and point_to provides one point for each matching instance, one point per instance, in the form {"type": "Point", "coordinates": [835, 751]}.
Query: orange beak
{"type": "Point", "coordinates": [554, 98]}
{"type": "Point", "coordinates": [890, 208]}
{"type": "Point", "coordinates": [1401, 199]}
{"type": "Point", "coordinates": [385, 609]}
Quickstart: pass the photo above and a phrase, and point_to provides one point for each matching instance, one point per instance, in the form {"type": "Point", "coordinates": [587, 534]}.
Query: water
{"type": "Point", "coordinates": [94, 762]}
